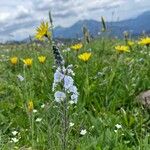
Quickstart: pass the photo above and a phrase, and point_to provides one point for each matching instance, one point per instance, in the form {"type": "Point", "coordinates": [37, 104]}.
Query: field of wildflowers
{"type": "Point", "coordinates": [82, 95]}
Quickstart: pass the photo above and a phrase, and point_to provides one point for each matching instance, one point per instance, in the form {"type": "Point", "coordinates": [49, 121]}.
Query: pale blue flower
{"type": "Point", "coordinates": [68, 82]}
{"type": "Point", "coordinates": [58, 76]}
{"type": "Point", "coordinates": [60, 96]}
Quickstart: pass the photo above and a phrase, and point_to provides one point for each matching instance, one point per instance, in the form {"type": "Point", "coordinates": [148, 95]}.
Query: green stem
{"type": "Point", "coordinates": [64, 125]}
{"type": "Point", "coordinates": [86, 88]}
{"type": "Point", "coordinates": [32, 129]}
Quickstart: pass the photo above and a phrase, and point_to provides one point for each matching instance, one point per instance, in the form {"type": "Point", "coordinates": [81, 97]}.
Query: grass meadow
{"type": "Point", "coordinates": [107, 115]}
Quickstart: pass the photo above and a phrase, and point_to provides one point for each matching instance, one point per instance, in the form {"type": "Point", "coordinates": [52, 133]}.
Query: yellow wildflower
{"type": "Point", "coordinates": [77, 46]}
{"type": "Point", "coordinates": [30, 106]}
{"type": "Point", "coordinates": [28, 62]}
{"type": "Point", "coordinates": [85, 56]}
{"type": "Point", "coordinates": [43, 31]}
{"type": "Point", "coordinates": [14, 60]}
{"type": "Point", "coordinates": [42, 59]}
{"type": "Point", "coordinates": [130, 43]}
{"type": "Point", "coordinates": [144, 41]}
{"type": "Point", "coordinates": [122, 48]}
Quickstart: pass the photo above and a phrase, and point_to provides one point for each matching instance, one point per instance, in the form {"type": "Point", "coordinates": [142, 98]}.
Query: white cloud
{"type": "Point", "coordinates": [4, 16]}
{"type": "Point", "coordinates": [21, 17]}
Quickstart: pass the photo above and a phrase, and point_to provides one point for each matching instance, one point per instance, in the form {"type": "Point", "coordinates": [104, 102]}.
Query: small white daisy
{"type": "Point", "coordinates": [83, 132]}
{"type": "Point", "coordinates": [14, 133]}
{"type": "Point", "coordinates": [118, 126]}
{"type": "Point", "coordinates": [43, 105]}
{"type": "Point", "coordinates": [71, 124]}
{"type": "Point", "coordinates": [92, 127]}
{"type": "Point", "coordinates": [15, 140]}
{"type": "Point", "coordinates": [38, 120]}
{"type": "Point", "coordinates": [34, 111]}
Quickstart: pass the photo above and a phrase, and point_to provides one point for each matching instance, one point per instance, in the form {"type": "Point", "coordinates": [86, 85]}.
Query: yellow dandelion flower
{"type": "Point", "coordinates": [122, 48]}
{"type": "Point", "coordinates": [14, 60]}
{"type": "Point", "coordinates": [30, 106]}
{"type": "Point", "coordinates": [42, 59]}
{"type": "Point", "coordinates": [43, 31]}
{"type": "Point", "coordinates": [77, 46]}
{"type": "Point", "coordinates": [85, 56]}
{"type": "Point", "coordinates": [144, 41]}
{"type": "Point", "coordinates": [28, 62]}
{"type": "Point", "coordinates": [130, 43]}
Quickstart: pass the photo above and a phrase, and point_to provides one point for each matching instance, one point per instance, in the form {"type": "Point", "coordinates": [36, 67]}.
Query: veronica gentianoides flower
{"type": "Point", "coordinates": [43, 31]}
{"type": "Point", "coordinates": [85, 56]}
{"type": "Point", "coordinates": [28, 62]}
{"type": "Point", "coordinates": [14, 60]}
{"type": "Point", "coordinates": [60, 96]}
{"type": "Point", "coordinates": [77, 47]}
{"type": "Point", "coordinates": [122, 48]}
{"type": "Point", "coordinates": [42, 59]}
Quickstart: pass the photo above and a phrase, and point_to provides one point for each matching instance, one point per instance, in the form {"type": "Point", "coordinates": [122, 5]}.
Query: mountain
{"type": "Point", "coordinates": [76, 30]}
{"type": "Point", "coordinates": [136, 26]}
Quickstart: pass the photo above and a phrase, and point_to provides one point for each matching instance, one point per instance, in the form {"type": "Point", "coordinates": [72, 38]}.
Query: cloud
{"type": "Point", "coordinates": [4, 17]}
{"type": "Point", "coordinates": [19, 19]}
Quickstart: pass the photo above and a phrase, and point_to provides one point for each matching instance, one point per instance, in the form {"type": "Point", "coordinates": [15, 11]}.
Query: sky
{"type": "Point", "coordinates": [19, 18]}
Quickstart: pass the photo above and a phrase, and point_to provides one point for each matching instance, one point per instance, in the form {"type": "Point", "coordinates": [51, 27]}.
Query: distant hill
{"type": "Point", "coordinates": [136, 26]}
